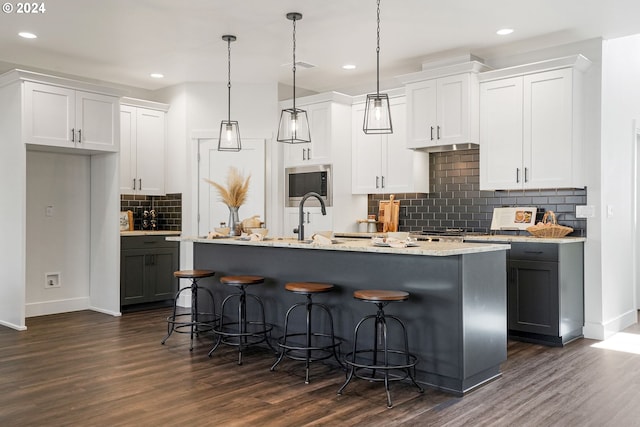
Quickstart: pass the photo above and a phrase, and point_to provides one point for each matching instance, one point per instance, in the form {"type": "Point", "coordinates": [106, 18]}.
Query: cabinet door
{"type": "Point", "coordinates": [501, 127]}
{"type": "Point", "coordinates": [160, 282]}
{"type": "Point", "coordinates": [533, 299]}
{"type": "Point", "coordinates": [397, 160]}
{"type": "Point", "coordinates": [313, 221]}
{"type": "Point", "coordinates": [366, 157]}
{"type": "Point", "coordinates": [97, 119]}
{"type": "Point", "coordinates": [548, 129]}
{"type": "Point", "coordinates": [422, 114]}
{"type": "Point", "coordinates": [128, 182]}
{"type": "Point", "coordinates": [132, 276]}
{"type": "Point", "coordinates": [150, 151]}
{"type": "Point", "coordinates": [453, 110]}
{"type": "Point", "coordinates": [296, 154]}
{"type": "Point", "coordinates": [49, 116]}
{"type": "Point", "coordinates": [318, 151]}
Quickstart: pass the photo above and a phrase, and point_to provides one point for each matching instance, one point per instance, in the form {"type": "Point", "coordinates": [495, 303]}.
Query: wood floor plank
{"type": "Point", "coordinates": [91, 369]}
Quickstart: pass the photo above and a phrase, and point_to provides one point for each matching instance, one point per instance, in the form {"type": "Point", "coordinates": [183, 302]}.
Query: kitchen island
{"type": "Point", "coordinates": [456, 315]}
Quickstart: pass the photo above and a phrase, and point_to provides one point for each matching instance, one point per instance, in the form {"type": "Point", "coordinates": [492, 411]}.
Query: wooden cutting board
{"type": "Point", "coordinates": [388, 214]}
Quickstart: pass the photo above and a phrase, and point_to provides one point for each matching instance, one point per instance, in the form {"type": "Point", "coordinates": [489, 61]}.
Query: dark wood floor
{"type": "Point", "coordinates": [91, 369]}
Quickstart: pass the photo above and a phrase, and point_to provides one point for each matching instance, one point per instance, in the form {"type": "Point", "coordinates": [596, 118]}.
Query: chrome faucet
{"type": "Point", "coordinates": [300, 229]}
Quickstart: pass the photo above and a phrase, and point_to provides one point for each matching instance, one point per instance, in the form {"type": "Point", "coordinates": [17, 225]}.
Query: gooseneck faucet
{"type": "Point", "coordinates": [301, 213]}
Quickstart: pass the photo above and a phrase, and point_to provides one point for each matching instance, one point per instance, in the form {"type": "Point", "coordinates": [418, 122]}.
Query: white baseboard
{"type": "Point", "coordinates": [13, 326]}
{"type": "Point", "coordinates": [109, 312]}
{"type": "Point", "coordinates": [55, 307]}
{"type": "Point", "coordinates": [602, 331]}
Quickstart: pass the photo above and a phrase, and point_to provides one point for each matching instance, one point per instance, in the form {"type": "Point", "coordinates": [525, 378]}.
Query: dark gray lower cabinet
{"type": "Point", "coordinates": [147, 264]}
{"type": "Point", "coordinates": [545, 293]}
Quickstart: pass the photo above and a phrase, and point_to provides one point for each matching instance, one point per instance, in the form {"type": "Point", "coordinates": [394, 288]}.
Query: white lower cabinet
{"type": "Point", "coordinates": [382, 163]}
{"type": "Point", "coordinates": [65, 117]}
{"type": "Point", "coordinates": [313, 221]}
{"type": "Point", "coordinates": [530, 131]}
{"type": "Point", "coordinates": [142, 150]}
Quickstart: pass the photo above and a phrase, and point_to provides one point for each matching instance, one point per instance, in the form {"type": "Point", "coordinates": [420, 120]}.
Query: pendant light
{"type": "Point", "coordinates": [229, 139]}
{"type": "Point", "coordinates": [377, 113]}
{"type": "Point", "coordinates": [294, 124]}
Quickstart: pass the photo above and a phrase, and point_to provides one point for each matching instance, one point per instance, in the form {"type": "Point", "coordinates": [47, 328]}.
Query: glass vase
{"type": "Point", "coordinates": [234, 221]}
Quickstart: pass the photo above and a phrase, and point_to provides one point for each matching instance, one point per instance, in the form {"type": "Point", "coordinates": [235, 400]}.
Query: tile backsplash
{"type": "Point", "coordinates": [168, 208]}
{"type": "Point", "coordinates": [455, 199]}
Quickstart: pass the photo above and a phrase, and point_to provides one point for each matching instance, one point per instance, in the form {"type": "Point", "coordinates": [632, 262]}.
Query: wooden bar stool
{"type": "Point", "coordinates": [317, 345]}
{"type": "Point", "coordinates": [381, 360]}
{"type": "Point", "coordinates": [197, 321]}
{"type": "Point", "coordinates": [243, 332]}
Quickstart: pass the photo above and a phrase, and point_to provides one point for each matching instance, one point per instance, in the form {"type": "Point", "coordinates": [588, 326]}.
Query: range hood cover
{"type": "Point", "coordinates": [451, 147]}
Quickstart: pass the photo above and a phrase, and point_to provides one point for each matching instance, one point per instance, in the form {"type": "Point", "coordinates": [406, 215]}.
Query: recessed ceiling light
{"type": "Point", "coordinates": [27, 35]}
{"type": "Point", "coordinates": [349, 67]}
{"type": "Point", "coordinates": [157, 75]}
{"type": "Point", "coordinates": [504, 31]}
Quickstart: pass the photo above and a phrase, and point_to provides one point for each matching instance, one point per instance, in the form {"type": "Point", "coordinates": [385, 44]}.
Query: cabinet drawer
{"type": "Point", "coordinates": [534, 251]}
{"type": "Point", "coordinates": [145, 242]}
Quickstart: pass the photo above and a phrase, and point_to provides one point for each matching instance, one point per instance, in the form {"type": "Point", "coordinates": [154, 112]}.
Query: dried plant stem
{"type": "Point", "coordinates": [235, 193]}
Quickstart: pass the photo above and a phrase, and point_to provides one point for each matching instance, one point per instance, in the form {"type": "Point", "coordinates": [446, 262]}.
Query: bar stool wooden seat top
{"type": "Point", "coordinates": [196, 321]}
{"type": "Point", "coordinates": [376, 363]}
{"type": "Point", "coordinates": [312, 344]}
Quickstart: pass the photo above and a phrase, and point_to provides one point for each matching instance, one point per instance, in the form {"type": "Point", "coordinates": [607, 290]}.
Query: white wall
{"type": "Point", "coordinates": [620, 106]}
{"type": "Point", "coordinates": [61, 242]}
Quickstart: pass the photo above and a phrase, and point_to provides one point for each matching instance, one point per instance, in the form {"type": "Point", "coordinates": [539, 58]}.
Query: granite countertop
{"type": "Point", "coordinates": [359, 245]}
{"type": "Point", "coordinates": [508, 238]}
{"type": "Point", "coordinates": [150, 233]}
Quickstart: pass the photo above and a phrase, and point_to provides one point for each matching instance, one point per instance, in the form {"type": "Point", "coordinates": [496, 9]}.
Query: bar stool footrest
{"type": "Point", "coordinates": [298, 352]}
{"type": "Point", "coordinates": [231, 334]}
{"type": "Point", "coordinates": [358, 367]}
{"type": "Point", "coordinates": [207, 325]}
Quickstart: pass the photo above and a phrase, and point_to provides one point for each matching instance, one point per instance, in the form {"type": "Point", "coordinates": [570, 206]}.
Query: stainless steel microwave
{"type": "Point", "coordinates": [301, 180]}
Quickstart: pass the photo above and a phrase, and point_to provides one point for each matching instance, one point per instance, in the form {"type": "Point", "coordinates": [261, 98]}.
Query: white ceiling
{"type": "Point", "coordinates": [123, 41]}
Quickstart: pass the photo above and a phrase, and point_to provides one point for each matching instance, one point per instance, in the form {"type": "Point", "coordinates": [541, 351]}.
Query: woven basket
{"type": "Point", "coordinates": [549, 227]}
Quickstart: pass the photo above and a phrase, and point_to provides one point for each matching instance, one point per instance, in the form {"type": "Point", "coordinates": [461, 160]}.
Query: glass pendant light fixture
{"type": "Point", "coordinates": [294, 124]}
{"type": "Point", "coordinates": [377, 113]}
{"type": "Point", "coordinates": [229, 139]}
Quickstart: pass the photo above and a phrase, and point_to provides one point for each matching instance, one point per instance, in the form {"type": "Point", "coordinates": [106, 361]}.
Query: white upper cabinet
{"type": "Point", "coordinates": [142, 149]}
{"type": "Point", "coordinates": [530, 126]}
{"type": "Point", "coordinates": [382, 163]}
{"type": "Point", "coordinates": [65, 117]}
{"type": "Point", "coordinates": [442, 106]}
{"type": "Point", "coordinates": [327, 124]}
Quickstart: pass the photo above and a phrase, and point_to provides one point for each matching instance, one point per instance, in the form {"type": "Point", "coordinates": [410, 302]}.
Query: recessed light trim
{"type": "Point", "coordinates": [27, 35]}
{"type": "Point", "coordinates": [348, 67]}
{"type": "Point", "coordinates": [156, 75]}
{"type": "Point", "coordinates": [504, 31]}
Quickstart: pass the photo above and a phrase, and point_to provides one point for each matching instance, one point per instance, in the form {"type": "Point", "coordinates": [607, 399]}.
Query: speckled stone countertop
{"type": "Point", "coordinates": [359, 245]}
{"type": "Point", "coordinates": [150, 233]}
{"type": "Point", "coordinates": [521, 239]}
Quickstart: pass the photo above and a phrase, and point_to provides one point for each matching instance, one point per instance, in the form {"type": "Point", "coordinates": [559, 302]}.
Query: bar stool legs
{"type": "Point", "coordinates": [317, 345]}
{"type": "Point", "coordinates": [243, 332]}
{"type": "Point", "coordinates": [361, 361]}
{"type": "Point", "coordinates": [197, 322]}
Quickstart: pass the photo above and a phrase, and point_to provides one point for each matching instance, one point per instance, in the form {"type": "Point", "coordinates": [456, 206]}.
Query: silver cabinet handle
{"type": "Point", "coordinates": [382, 181]}
{"type": "Point", "coordinates": [517, 174]}
{"type": "Point", "coordinates": [304, 151]}
{"type": "Point", "coordinates": [432, 133]}
{"type": "Point", "coordinates": [73, 135]}
{"type": "Point", "coordinates": [438, 133]}
{"type": "Point", "coordinates": [134, 183]}
{"type": "Point", "coordinates": [377, 186]}
{"type": "Point", "coordinates": [308, 219]}
{"type": "Point", "coordinates": [79, 136]}
{"type": "Point", "coordinates": [526, 175]}
{"type": "Point", "coordinates": [139, 183]}
{"type": "Point", "coordinates": [308, 153]}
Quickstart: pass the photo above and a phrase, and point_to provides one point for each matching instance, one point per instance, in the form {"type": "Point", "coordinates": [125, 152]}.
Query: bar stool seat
{"type": "Point", "coordinates": [196, 321]}
{"type": "Point", "coordinates": [365, 362]}
{"type": "Point", "coordinates": [243, 332]}
{"type": "Point", "coordinates": [317, 345]}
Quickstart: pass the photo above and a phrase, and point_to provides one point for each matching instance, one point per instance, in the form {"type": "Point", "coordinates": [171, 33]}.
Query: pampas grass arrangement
{"type": "Point", "coordinates": [235, 193]}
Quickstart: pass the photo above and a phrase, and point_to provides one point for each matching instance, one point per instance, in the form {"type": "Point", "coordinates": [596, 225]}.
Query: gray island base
{"type": "Point", "coordinates": [456, 315]}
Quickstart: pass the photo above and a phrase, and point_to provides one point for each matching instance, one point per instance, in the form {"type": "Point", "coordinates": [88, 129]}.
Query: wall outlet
{"type": "Point", "coordinates": [588, 211]}
{"type": "Point", "coordinates": [52, 280]}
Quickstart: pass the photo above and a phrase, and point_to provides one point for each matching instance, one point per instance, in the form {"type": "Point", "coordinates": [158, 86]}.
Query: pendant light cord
{"type": "Point", "coordinates": [294, 64]}
{"type": "Point", "coordinates": [378, 54]}
{"type": "Point", "coordinates": [229, 80]}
